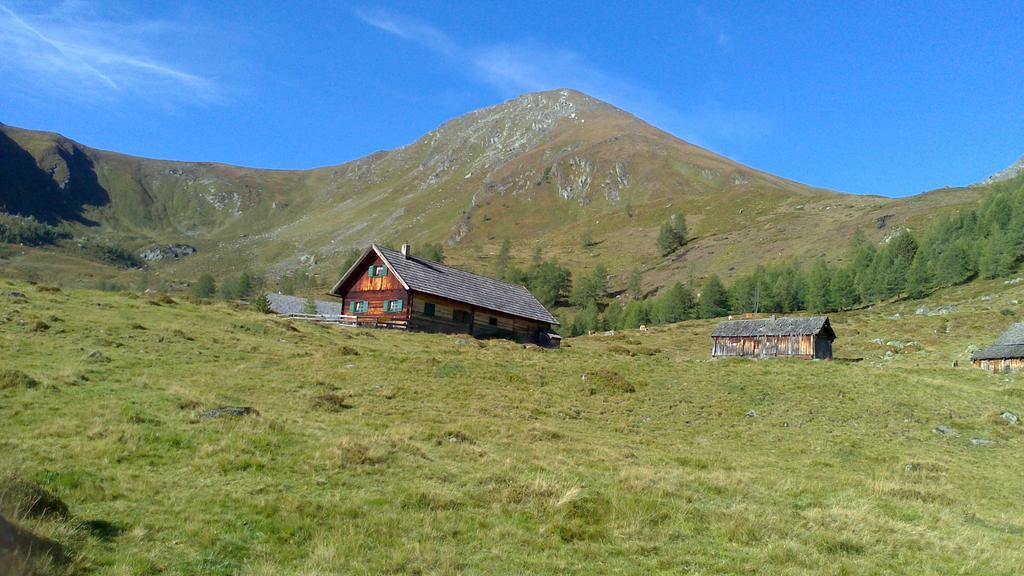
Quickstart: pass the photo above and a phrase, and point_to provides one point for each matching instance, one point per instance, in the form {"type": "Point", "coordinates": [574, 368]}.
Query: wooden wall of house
{"type": "Point", "coordinates": [375, 290]}
{"type": "Point", "coordinates": [769, 346]}
{"type": "Point", "coordinates": [478, 320]}
{"type": "Point", "coordinates": [1000, 364]}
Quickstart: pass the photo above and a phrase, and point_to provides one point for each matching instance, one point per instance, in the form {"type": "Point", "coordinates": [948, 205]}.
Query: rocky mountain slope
{"type": "Point", "coordinates": [541, 170]}
{"type": "Point", "coordinates": [1012, 171]}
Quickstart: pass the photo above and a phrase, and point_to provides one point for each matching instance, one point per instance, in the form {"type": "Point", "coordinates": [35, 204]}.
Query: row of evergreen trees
{"type": "Point", "coordinates": [239, 287]}
{"type": "Point", "coordinates": [987, 242]}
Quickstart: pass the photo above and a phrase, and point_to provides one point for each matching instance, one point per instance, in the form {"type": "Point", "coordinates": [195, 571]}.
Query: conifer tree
{"type": "Point", "coordinates": [613, 315]}
{"type": "Point", "coordinates": [672, 235]}
{"type": "Point", "coordinates": [637, 313]}
{"type": "Point", "coordinates": [842, 291]}
{"type": "Point", "coordinates": [205, 286]}
{"type": "Point", "coordinates": [954, 265]}
{"type": "Point", "coordinates": [262, 304]}
{"type": "Point", "coordinates": [714, 299]}
{"type": "Point", "coordinates": [919, 279]}
{"type": "Point", "coordinates": [997, 258]}
{"type": "Point", "coordinates": [819, 287]}
{"type": "Point", "coordinates": [675, 304]}
{"type": "Point", "coordinates": [503, 261]}
{"type": "Point", "coordinates": [634, 286]}
{"type": "Point", "coordinates": [590, 289]}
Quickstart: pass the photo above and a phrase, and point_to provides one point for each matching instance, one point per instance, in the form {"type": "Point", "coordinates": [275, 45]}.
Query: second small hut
{"type": "Point", "coordinates": [797, 337]}
{"type": "Point", "coordinates": [1006, 354]}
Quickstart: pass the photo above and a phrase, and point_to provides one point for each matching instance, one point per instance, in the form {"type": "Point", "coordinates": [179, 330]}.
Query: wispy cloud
{"type": "Point", "coordinates": [514, 67]}
{"type": "Point", "coordinates": [70, 51]}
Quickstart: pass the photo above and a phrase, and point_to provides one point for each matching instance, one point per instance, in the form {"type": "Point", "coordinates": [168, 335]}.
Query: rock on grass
{"type": "Point", "coordinates": [229, 411]}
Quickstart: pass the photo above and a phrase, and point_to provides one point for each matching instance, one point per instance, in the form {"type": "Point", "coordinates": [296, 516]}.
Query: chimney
{"type": "Point", "coordinates": [405, 251]}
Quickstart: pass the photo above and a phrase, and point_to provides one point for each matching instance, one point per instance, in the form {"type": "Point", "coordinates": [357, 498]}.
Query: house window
{"type": "Point", "coordinates": [428, 308]}
{"type": "Point", "coordinates": [460, 316]}
{"type": "Point", "coordinates": [492, 321]}
{"type": "Point", "coordinates": [361, 306]}
{"type": "Point", "coordinates": [377, 271]}
{"type": "Point", "coordinates": [393, 306]}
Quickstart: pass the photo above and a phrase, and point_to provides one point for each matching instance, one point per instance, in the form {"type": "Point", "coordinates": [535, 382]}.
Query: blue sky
{"type": "Point", "coordinates": [860, 97]}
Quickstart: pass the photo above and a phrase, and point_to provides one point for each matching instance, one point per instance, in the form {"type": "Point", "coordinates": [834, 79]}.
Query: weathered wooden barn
{"type": "Point", "coordinates": [400, 289]}
{"type": "Point", "coordinates": [1006, 354]}
{"type": "Point", "coordinates": [808, 337]}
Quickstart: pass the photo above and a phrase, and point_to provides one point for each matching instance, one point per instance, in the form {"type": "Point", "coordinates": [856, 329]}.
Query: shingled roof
{"type": "Point", "coordinates": [439, 280]}
{"type": "Point", "coordinates": [793, 326]}
{"type": "Point", "coordinates": [1009, 345]}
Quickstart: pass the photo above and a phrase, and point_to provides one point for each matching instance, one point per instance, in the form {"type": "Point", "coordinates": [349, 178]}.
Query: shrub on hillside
{"type": "Point", "coordinates": [27, 230]}
{"type": "Point", "coordinates": [262, 304]}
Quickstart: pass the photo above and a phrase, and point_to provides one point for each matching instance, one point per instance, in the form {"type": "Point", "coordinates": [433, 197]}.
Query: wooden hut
{"type": "Point", "coordinates": [807, 337]}
{"type": "Point", "coordinates": [400, 289]}
{"type": "Point", "coordinates": [1006, 354]}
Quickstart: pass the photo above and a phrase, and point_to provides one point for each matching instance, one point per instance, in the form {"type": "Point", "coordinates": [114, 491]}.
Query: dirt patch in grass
{"type": "Point", "coordinates": [453, 437]}
{"type": "Point", "coordinates": [331, 402]}
{"type": "Point", "coordinates": [16, 379]}
{"type": "Point", "coordinates": [160, 298]}
{"type": "Point", "coordinates": [607, 380]}
{"type": "Point", "coordinates": [39, 326]}
{"type": "Point", "coordinates": [351, 452]}
{"type": "Point", "coordinates": [189, 404]}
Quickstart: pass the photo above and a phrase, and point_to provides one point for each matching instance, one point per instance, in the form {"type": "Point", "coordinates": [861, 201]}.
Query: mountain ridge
{"type": "Point", "coordinates": [539, 169]}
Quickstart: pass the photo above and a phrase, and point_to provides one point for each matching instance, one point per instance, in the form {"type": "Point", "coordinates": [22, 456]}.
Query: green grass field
{"type": "Point", "coordinates": [391, 453]}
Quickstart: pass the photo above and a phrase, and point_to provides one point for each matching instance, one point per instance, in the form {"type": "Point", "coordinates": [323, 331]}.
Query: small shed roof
{"type": "Point", "coordinates": [284, 304]}
{"type": "Point", "coordinates": [1009, 345]}
{"type": "Point", "coordinates": [437, 279]}
{"type": "Point", "coordinates": [791, 326]}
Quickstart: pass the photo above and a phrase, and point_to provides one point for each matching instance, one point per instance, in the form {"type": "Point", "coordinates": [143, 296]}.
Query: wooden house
{"type": "Point", "coordinates": [1006, 354]}
{"type": "Point", "coordinates": [399, 288]}
{"type": "Point", "coordinates": [807, 337]}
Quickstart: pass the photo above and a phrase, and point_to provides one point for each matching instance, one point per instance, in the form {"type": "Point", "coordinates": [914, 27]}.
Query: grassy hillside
{"type": "Point", "coordinates": [541, 170]}
{"type": "Point", "coordinates": [382, 452]}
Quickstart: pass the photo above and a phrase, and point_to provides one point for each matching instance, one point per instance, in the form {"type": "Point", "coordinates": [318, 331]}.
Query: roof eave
{"type": "Point", "coordinates": [355, 265]}
{"type": "Point", "coordinates": [390, 267]}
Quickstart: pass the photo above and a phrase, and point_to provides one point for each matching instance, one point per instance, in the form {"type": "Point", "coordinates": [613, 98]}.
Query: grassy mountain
{"type": "Point", "coordinates": [542, 170]}
{"type": "Point", "coordinates": [378, 452]}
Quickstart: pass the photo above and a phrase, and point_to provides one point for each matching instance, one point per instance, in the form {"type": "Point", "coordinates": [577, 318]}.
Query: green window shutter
{"type": "Point", "coordinates": [370, 273]}
{"type": "Point", "coordinates": [352, 307]}
{"type": "Point", "coordinates": [383, 271]}
{"type": "Point", "coordinates": [398, 305]}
